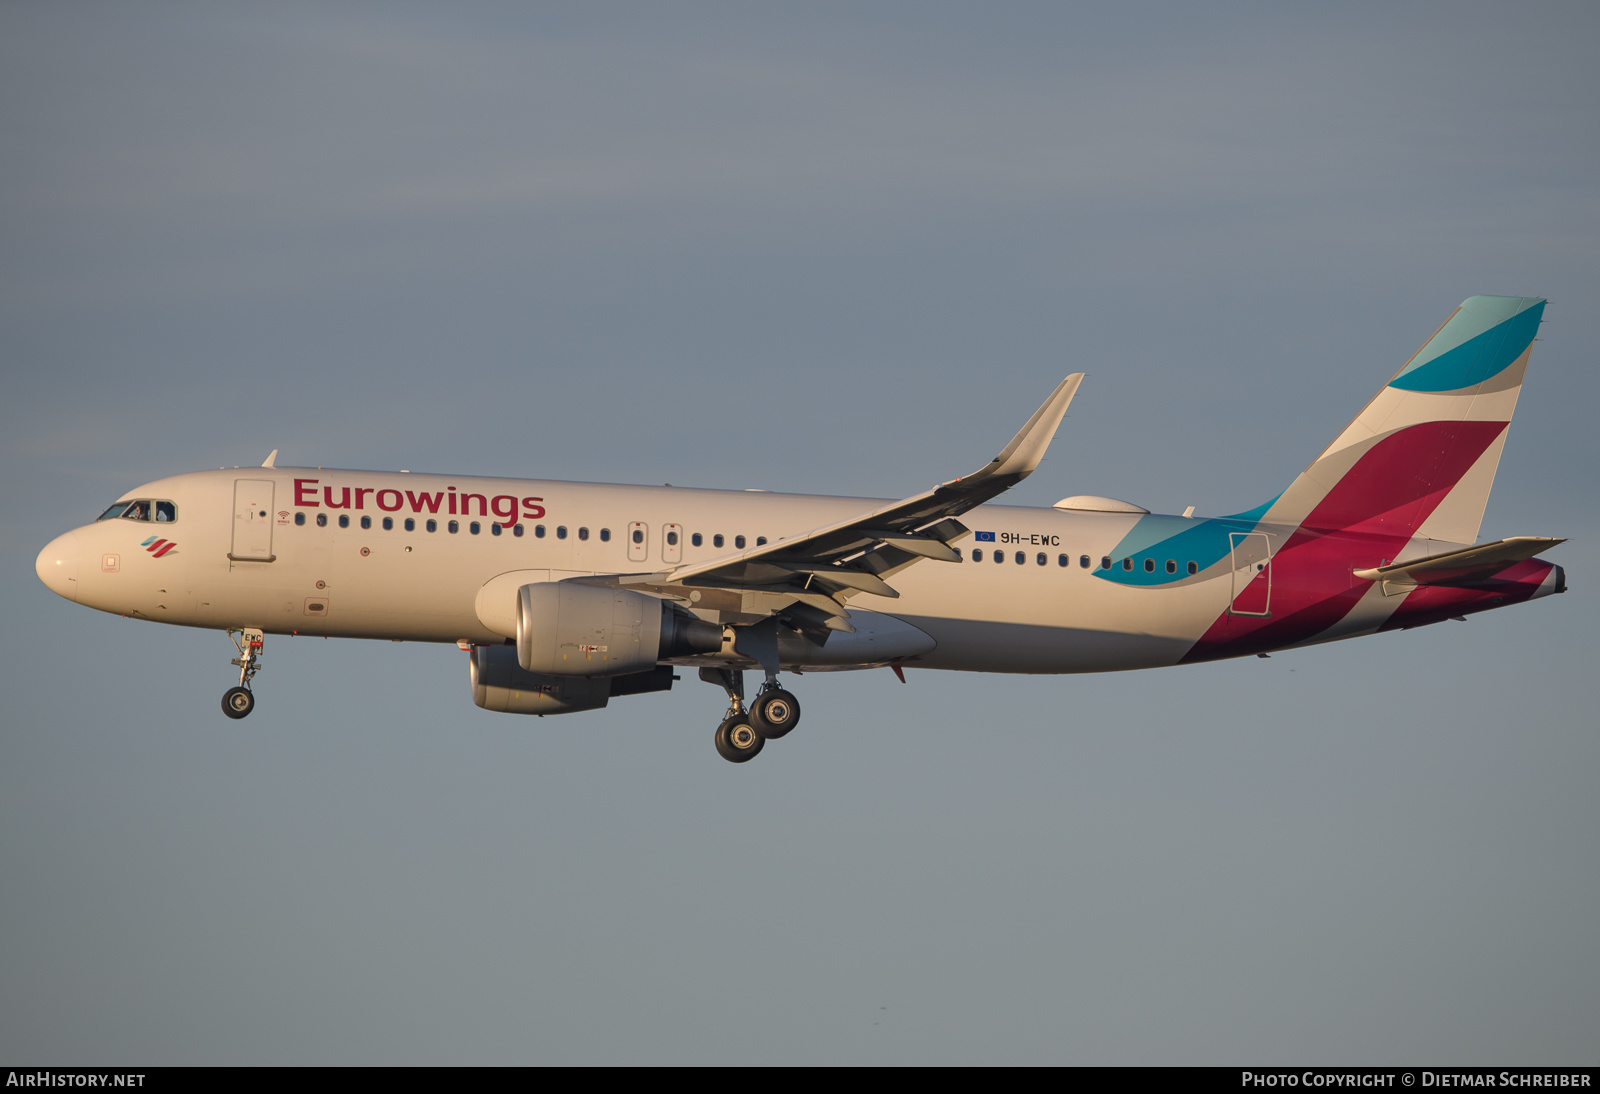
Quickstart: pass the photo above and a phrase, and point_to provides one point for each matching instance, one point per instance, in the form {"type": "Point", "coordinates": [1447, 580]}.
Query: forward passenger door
{"type": "Point", "coordinates": [252, 521]}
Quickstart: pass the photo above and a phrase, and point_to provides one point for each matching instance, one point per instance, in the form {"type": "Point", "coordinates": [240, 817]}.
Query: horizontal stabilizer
{"type": "Point", "coordinates": [1467, 563]}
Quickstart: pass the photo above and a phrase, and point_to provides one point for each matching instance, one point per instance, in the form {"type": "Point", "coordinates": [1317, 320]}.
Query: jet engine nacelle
{"type": "Point", "coordinates": [567, 629]}
{"type": "Point", "coordinates": [500, 684]}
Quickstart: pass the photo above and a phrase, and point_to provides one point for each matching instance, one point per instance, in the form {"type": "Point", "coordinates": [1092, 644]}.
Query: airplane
{"type": "Point", "coordinates": [569, 594]}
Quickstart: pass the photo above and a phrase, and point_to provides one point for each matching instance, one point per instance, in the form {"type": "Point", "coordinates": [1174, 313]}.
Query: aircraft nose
{"type": "Point", "coordinates": [57, 566]}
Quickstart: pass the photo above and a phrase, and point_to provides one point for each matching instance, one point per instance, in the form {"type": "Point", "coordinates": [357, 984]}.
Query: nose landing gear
{"type": "Point", "coordinates": [240, 701]}
{"type": "Point", "coordinates": [742, 734]}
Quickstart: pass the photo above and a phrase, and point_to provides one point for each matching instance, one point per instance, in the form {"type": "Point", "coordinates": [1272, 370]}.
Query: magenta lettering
{"type": "Point", "coordinates": [327, 497]}
{"type": "Point", "coordinates": [387, 508]}
{"type": "Point", "coordinates": [301, 486]}
{"type": "Point", "coordinates": [419, 500]}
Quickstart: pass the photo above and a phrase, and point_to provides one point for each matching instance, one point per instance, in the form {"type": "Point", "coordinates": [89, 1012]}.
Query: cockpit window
{"type": "Point", "coordinates": [144, 509]}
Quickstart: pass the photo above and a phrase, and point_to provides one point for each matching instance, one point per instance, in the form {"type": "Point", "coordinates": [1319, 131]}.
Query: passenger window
{"type": "Point", "coordinates": [761, 541]}
{"type": "Point", "coordinates": [583, 533]}
{"type": "Point", "coordinates": [1193, 569]}
{"type": "Point", "coordinates": [1041, 560]}
{"type": "Point", "coordinates": [716, 540]}
{"type": "Point", "coordinates": [605, 535]}
{"type": "Point", "coordinates": [1105, 562]}
{"type": "Point", "coordinates": [697, 539]}
{"type": "Point", "coordinates": [1063, 560]}
{"type": "Point", "coordinates": [561, 531]}
{"type": "Point", "coordinates": [672, 539]}
{"type": "Point", "coordinates": [166, 512]}
{"type": "Point", "coordinates": [738, 541]}
{"type": "Point", "coordinates": [411, 524]}
{"type": "Point", "coordinates": [538, 531]}
{"type": "Point", "coordinates": [322, 520]}
{"type": "Point", "coordinates": [1172, 567]}
{"type": "Point", "coordinates": [344, 520]}
{"type": "Point", "coordinates": [638, 535]}
{"type": "Point", "coordinates": [432, 525]}
{"type": "Point", "coordinates": [977, 555]}
{"type": "Point", "coordinates": [366, 522]}
{"type": "Point", "coordinates": [474, 528]}
{"type": "Point", "coordinates": [1083, 560]}
{"type": "Point", "coordinates": [453, 527]}
{"type": "Point", "coordinates": [1127, 564]}
{"type": "Point", "coordinates": [999, 556]}
{"type": "Point", "coordinates": [516, 530]}
{"type": "Point", "coordinates": [495, 529]}
{"type": "Point", "coordinates": [300, 520]}
{"type": "Point", "coordinates": [388, 524]}
{"type": "Point", "coordinates": [1022, 559]}
{"type": "Point", "coordinates": [1149, 565]}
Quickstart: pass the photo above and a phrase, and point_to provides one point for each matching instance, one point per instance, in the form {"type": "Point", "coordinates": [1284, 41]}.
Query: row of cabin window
{"type": "Point", "coordinates": [716, 541]}
{"type": "Point", "coordinates": [475, 528]}
{"type": "Point", "coordinates": [451, 526]}
{"type": "Point", "coordinates": [1084, 561]}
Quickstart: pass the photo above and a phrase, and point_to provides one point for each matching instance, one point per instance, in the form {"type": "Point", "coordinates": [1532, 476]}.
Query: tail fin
{"type": "Point", "coordinates": [1420, 459]}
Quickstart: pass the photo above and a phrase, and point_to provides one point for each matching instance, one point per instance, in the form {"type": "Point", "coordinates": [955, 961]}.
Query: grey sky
{"type": "Point", "coordinates": [843, 249]}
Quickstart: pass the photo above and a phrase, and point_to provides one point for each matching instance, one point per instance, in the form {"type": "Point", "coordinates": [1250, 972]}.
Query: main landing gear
{"type": "Point", "coordinates": [240, 701]}
{"type": "Point", "coordinates": [743, 733]}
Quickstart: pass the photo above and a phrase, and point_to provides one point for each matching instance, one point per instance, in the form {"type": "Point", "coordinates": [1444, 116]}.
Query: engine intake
{"type": "Point", "coordinates": [568, 629]}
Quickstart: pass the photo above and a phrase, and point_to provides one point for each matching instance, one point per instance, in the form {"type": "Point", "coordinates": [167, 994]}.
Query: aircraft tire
{"type": "Point", "coordinates": [238, 702]}
{"type": "Point", "coordinates": [775, 713]}
{"type": "Point", "coordinates": [737, 740]}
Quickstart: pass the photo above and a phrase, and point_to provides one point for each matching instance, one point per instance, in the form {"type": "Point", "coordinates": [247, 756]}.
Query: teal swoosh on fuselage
{"type": "Point", "coordinates": [1182, 539]}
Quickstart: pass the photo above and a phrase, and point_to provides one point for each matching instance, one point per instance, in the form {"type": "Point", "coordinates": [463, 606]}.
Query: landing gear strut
{"type": "Point", "coordinates": [240, 701]}
{"type": "Point", "coordinates": [742, 734]}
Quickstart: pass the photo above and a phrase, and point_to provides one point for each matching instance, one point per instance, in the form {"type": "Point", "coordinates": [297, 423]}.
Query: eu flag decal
{"type": "Point", "coordinates": [984, 537]}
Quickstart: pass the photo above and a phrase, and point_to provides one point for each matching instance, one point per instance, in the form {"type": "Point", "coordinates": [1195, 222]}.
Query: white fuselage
{"type": "Point", "coordinates": [434, 558]}
{"type": "Point", "coordinates": [419, 585]}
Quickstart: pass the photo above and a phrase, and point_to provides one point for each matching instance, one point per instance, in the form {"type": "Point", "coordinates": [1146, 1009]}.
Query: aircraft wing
{"type": "Point", "coordinates": [808, 577]}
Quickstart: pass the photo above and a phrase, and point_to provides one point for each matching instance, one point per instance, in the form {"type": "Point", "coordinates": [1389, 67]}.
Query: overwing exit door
{"type": "Point", "coordinates": [252, 521]}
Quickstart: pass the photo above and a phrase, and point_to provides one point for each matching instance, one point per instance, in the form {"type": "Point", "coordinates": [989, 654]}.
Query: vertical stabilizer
{"type": "Point", "coordinates": [1420, 459]}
